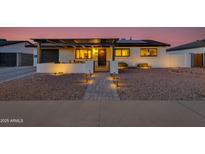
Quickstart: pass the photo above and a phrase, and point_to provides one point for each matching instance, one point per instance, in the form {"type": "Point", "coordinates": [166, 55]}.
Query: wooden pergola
{"type": "Point", "coordinates": [81, 42]}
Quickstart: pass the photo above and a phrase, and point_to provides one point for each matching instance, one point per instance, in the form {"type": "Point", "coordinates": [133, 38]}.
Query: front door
{"type": "Point", "coordinates": [101, 57]}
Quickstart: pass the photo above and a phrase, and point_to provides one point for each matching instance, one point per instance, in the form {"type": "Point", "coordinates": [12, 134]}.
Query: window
{"type": "Point", "coordinates": [83, 54]}
{"type": "Point", "coordinates": [148, 52]}
{"type": "Point", "coordinates": [122, 52]}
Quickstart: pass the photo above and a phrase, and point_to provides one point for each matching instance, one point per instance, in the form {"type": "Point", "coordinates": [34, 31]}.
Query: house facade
{"type": "Point", "coordinates": [188, 55]}
{"type": "Point", "coordinates": [17, 53]}
{"type": "Point", "coordinates": [104, 53]}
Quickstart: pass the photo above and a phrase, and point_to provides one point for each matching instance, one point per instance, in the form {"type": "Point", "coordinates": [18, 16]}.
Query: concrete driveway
{"type": "Point", "coordinates": [110, 114]}
{"type": "Point", "coordinates": [10, 73]}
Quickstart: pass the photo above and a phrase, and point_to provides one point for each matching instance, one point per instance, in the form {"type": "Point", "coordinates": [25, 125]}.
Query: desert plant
{"type": "Point", "coordinates": [122, 65]}
{"type": "Point", "coordinates": [143, 66]}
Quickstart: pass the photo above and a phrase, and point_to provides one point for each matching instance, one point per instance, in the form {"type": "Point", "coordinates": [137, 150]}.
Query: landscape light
{"type": "Point", "coordinates": [58, 73]}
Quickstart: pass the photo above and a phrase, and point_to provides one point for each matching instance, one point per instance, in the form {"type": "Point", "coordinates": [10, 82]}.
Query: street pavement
{"type": "Point", "coordinates": [102, 113]}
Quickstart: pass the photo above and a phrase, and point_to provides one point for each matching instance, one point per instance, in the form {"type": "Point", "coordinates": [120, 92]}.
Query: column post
{"type": "Point", "coordinates": [39, 52]}
{"type": "Point", "coordinates": [17, 59]}
{"type": "Point", "coordinates": [113, 53]}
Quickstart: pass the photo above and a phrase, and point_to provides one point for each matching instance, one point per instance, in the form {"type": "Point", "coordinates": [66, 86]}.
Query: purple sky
{"type": "Point", "coordinates": [174, 36]}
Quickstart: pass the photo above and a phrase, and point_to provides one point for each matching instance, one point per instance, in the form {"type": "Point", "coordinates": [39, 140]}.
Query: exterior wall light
{"type": "Point", "coordinates": [58, 73]}
{"type": "Point", "coordinates": [86, 78]}
{"type": "Point", "coordinates": [115, 79]}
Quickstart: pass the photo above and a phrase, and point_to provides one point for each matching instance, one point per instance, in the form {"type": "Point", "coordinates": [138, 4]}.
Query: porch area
{"type": "Point", "coordinates": [76, 56]}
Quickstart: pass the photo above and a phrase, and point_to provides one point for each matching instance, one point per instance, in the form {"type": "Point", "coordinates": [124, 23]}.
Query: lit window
{"type": "Point", "coordinates": [118, 53]}
{"type": "Point", "coordinates": [122, 52]}
{"type": "Point", "coordinates": [125, 52]}
{"type": "Point", "coordinates": [148, 52]}
{"type": "Point", "coordinates": [83, 54]}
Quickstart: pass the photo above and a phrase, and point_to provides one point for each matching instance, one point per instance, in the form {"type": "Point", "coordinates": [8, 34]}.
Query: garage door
{"type": "Point", "coordinates": [7, 59]}
{"type": "Point", "coordinates": [50, 55]}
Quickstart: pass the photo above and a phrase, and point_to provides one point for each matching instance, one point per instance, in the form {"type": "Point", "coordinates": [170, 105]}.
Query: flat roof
{"type": "Point", "coordinates": [98, 41]}
{"type": "Point", "coordinates": [144, 43]}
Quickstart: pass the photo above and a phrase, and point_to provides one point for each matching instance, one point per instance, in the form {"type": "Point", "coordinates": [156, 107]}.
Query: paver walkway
{"type": "Point", "coordinates": [101, 88]}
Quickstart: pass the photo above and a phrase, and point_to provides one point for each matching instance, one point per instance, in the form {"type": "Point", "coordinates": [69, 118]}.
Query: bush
{"type": "Point", "coordinates": [143, 66]}
{"type": "Point", "coordinates": [122, 65]}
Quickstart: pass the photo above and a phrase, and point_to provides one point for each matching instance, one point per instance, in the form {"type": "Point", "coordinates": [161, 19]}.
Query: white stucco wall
{"type": "Point", "coordinates": [109, 54]}
{"type": "Point", "coordinates": [66, 54]}
{"type": "Point", "coordinates": [160, 61]}
{"type": "Point", "coordinates": [14, 48]}
{"type": "Point", "coordinates": [86, 67]}
{"type": "Point", "coordinates": [35, 57]}
{"type": "Point", "coordinates": [164, 59]}
{"type": "Point", "coordinates": [177, 60]}
{"type": "Point", "coordinates": [113, 67]}
{"type": "Point", "coordinates": [182, 58]}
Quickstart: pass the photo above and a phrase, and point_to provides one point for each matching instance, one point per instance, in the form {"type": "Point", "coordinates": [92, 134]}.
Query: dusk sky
{"type": "Point", "coordinates": [174, 36]}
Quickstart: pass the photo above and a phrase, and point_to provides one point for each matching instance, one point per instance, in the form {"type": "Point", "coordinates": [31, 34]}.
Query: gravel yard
{"type": "Point", "coordinates": [162, 84]}
{"type": "Point", "coordinates": [44, 87]}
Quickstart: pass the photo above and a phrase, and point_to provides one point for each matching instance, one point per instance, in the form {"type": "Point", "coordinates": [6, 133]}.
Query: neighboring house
{"type": "Point", "coordinates": [17, 53]}
{"type": "Point", "coordinates": [188, 55]}
{"type": "Point", "coordinates": [103, 51]}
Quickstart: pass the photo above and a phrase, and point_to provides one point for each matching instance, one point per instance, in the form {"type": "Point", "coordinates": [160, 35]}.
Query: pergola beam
{"type": "Point", "coordinates": [62, 41]}
{"type": "Point", "coordinates": [73, 43]}
{"type": "Point", "coordinates": [50, 41]}
{"type": "Point", "coordinates": [56, 43]}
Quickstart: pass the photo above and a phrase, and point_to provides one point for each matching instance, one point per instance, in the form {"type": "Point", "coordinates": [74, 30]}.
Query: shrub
{"type": "Point", "coordinates": [143, 66]}
{"type": "Point", "coordinates": [122, 65]}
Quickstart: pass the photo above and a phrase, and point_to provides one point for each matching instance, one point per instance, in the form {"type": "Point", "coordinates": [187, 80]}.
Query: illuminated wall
{"type": "Point", "coordinates": [66, 54]}
{"type": "Point", "coordinates": [160, 61]}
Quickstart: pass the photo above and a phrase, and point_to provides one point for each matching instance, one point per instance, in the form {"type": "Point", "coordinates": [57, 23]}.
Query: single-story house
{"type": "Point", "coordinates": [103, 53]}
{"type": "Point", "coordinates": [17, 53]}
{"type": "Point", "coordinates": [188, 55]}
